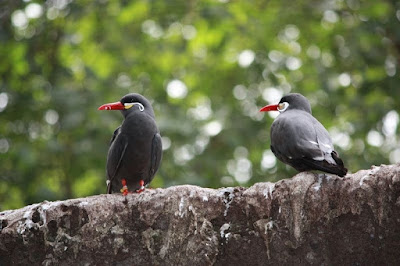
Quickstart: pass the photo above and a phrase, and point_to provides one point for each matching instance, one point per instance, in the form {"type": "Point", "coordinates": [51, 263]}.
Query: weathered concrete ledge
{"type": "Point", "coordinates": [308, 219]}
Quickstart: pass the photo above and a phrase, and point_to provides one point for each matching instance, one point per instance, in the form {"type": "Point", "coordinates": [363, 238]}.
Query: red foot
{"type": "Point", "coordinates": [124, 188]}
{"type": "Point", "coordinates": [142, 188]}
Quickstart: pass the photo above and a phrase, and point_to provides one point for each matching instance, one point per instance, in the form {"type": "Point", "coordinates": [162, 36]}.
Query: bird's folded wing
{"type": "Point", "coordinates": [156, 154]}
{"type": "Point", "coordinates": [116, 132]}
{"type": "Point", "coordinates": [115, 155]}
{"type": "Point", "coordinates": [305, 138]}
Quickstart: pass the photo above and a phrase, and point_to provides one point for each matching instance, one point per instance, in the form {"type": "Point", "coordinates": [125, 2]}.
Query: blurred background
{"type": "Point", "coordinates": [207, 66]}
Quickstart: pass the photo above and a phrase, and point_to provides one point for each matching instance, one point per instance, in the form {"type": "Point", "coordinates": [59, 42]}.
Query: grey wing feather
{"type": "Point", "coordinates": [156, 154]}
{"type": "Point", "coordinates": [312, 139]}
{"type": "Point", "coordinates": [116, 153]}
{"type": "Point", "coordinates": [324, 142]}
{"type": "Point", "coordinates": [116, 132]}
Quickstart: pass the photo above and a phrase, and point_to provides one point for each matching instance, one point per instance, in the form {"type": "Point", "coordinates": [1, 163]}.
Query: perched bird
{"type": "Point", "coordinates": [300, 140]}
{"type": "Point", "coordinates": [135, 149]}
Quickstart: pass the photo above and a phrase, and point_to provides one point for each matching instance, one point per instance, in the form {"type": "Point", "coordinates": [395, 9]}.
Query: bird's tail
{"type": "Point", "coordinates": [337, 169]}
{"type": "Point", "coordinates": [339, 162]}
{"type": "Point", "coordinates": [108, 182]}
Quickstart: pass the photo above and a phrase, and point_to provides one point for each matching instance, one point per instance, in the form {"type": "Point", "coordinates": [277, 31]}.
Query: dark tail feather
{"type": "Point", "coordinates": [324, 166]}
{"type": "Point", "coordinates": [339, 162]}
{"type": "Point", "coordinates": [109, 191]}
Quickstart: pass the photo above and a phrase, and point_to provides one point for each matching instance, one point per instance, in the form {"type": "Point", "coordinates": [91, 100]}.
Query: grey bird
{"type": "Point", "coordinates": [135, 149]}
{"type": "Point", "coordinates": [300, 140]}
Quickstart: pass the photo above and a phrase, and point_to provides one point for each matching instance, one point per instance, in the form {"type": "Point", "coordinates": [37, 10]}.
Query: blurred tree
{"type": "Point", "coordinates": [208, 66]}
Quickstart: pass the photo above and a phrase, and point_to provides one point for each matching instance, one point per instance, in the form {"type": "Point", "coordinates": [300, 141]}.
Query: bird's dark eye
{"type": "Point", "coordinates": [283, 106]}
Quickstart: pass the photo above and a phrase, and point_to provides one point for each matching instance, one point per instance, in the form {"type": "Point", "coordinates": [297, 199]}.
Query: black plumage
{"type": "Point", "coordinates": [135, 149]}
{"type": "Point", "coordinates": [300, 140]}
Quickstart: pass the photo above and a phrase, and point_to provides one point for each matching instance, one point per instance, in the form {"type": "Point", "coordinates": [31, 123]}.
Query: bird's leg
{"type": "Point", "coordinates": [124, 188]}
{"type": "Point", "coordinates": [142, 188]}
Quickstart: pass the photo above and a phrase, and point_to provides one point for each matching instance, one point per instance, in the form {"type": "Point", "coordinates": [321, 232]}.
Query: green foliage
{"type": "Point", "coordinates": [208, 66]}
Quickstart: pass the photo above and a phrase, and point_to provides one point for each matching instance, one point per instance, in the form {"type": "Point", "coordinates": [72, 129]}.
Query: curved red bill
{"type": "Point", "coordinates": [112, 106]}
{"type": "Point", "coordinates": [271, 107]}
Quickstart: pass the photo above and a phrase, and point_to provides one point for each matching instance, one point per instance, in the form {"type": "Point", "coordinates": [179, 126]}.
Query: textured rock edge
{"type": "Point", "coordinates": [308, 219]}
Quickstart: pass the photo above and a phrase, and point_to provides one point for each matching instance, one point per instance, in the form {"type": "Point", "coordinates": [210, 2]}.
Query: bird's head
{"type": "Point", "coordinates": [132, 102]}
{"type": "Point", "coordinates": [292, 101]}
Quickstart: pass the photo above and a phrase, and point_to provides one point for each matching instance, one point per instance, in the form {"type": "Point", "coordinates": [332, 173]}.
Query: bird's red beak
{"type": "Point", "coordinates": [271, 107]}
{"type": "Point", "coordinates": [112, 106]}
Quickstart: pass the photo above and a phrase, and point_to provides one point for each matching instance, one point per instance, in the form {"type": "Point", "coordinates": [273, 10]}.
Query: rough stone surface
{"type": "Point", "coordinates": [308, 219]}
